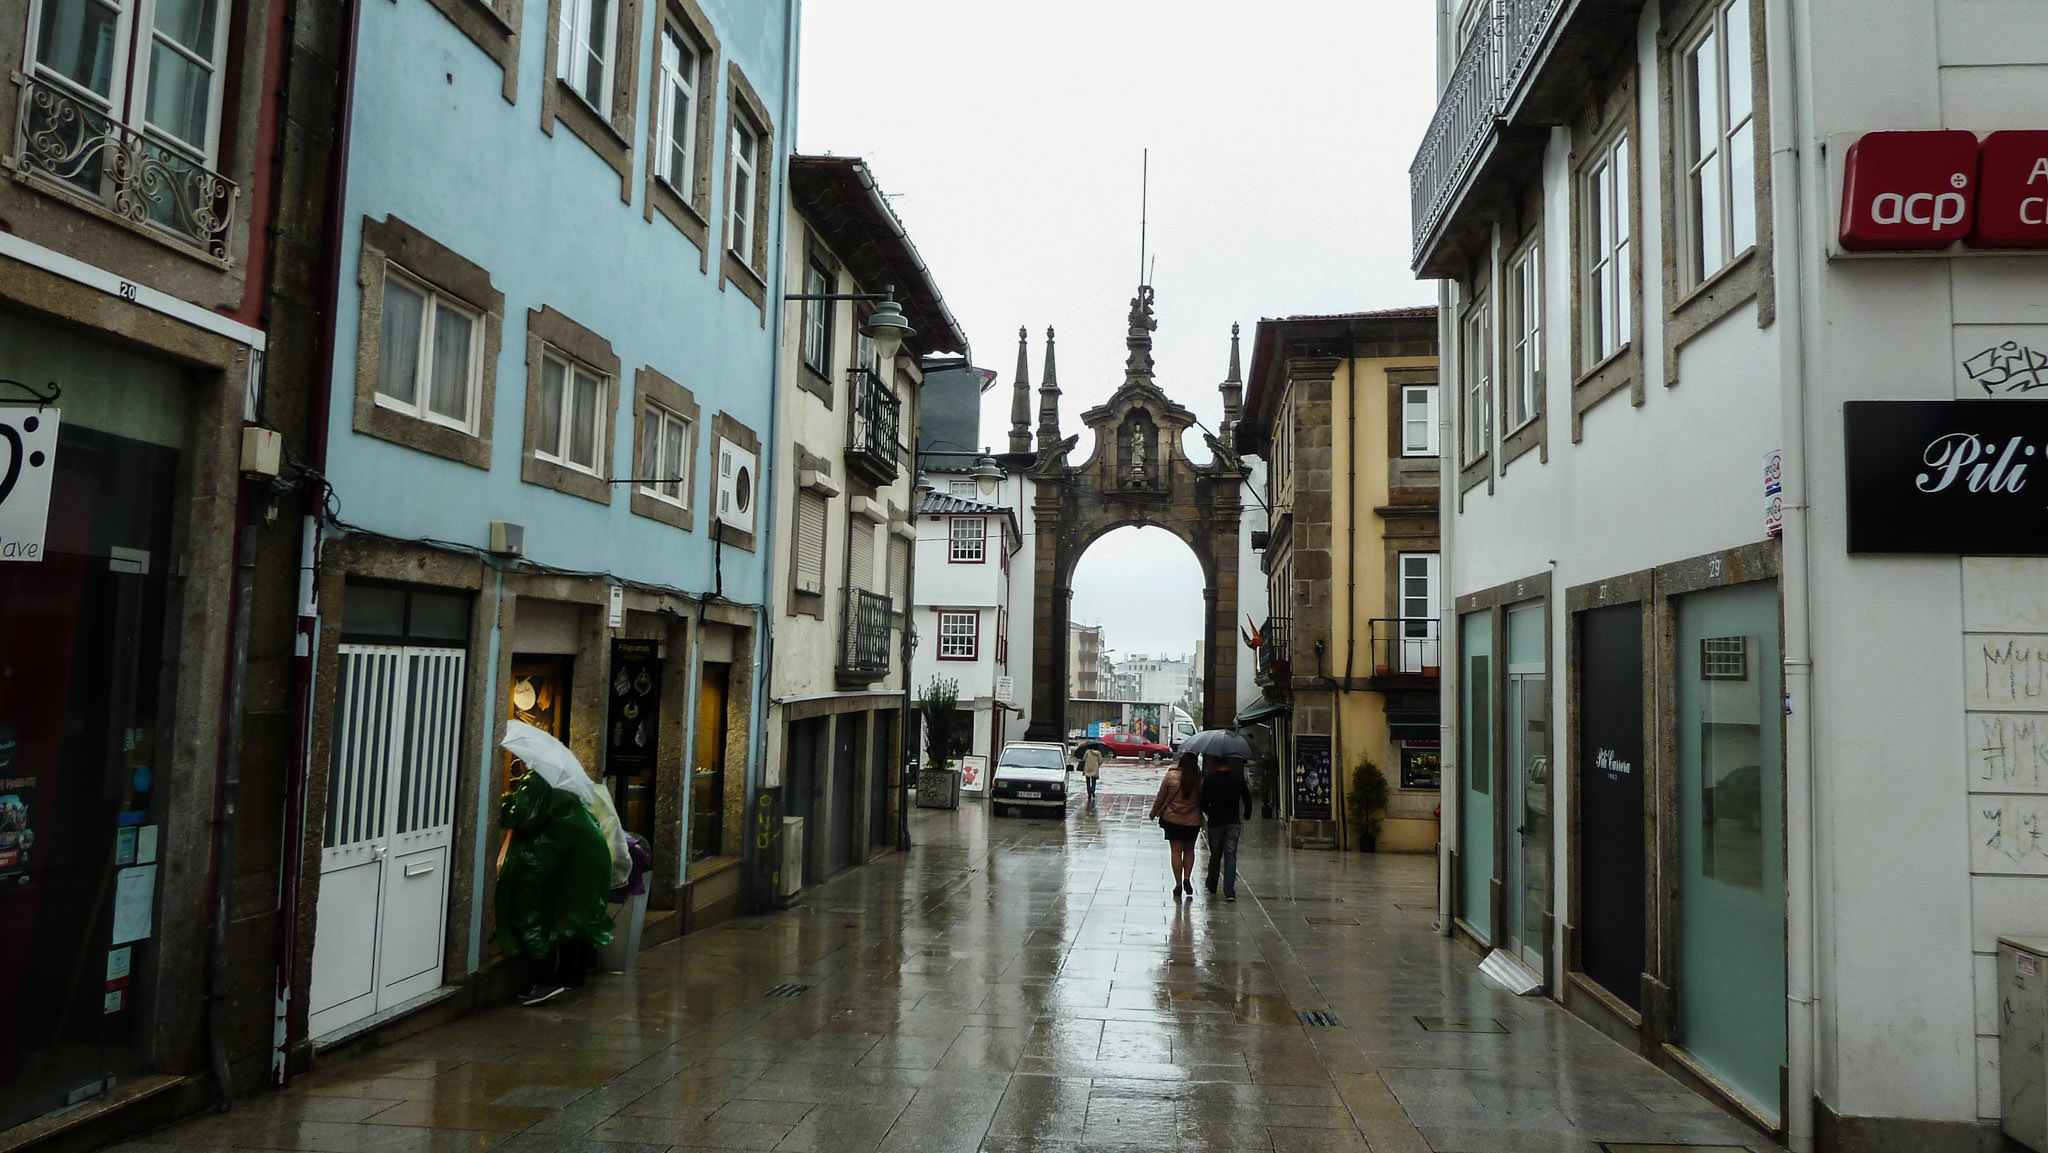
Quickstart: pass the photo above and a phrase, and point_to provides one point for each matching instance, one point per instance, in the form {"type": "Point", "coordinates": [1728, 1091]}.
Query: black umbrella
{"type": "Point", "coordinates": [1084, 746]}
{"type": "Point", "coordinates": [1225, 743]}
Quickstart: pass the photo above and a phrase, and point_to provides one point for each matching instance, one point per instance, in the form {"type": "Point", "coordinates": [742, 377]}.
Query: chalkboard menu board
{"type": "Point", "coordinates": [1610, 786]}
{"type": "Point", "coordinates": [1312, 777]}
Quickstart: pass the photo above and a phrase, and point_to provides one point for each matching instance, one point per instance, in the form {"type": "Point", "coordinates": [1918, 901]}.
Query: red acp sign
{"type": "Point", "coordinates": [2012, 207]}
{"type": "Point", "coordinates": [1907, 191]}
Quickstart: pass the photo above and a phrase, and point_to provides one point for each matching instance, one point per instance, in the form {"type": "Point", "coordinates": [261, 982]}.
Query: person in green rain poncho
{"type": "Point", "coordinates": [552, 885]}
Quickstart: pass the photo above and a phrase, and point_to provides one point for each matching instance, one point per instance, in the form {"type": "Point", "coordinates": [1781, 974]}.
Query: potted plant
{"type": "Point", "coordinates": [1366, 802]}
{"type": "Point", "coordinates": [938, 786]}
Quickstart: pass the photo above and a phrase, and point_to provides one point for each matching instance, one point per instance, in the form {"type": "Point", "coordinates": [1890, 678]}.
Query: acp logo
{"type": "Point", "coordinates": [1909, 190]}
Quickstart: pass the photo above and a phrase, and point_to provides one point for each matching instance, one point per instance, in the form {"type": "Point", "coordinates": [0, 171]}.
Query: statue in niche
{"type": "Point", "coordinates": [1137, 434]}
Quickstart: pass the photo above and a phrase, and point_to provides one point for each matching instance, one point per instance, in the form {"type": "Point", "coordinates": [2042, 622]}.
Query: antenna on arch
{"type": "Point", "coordinates": [1144, 206]}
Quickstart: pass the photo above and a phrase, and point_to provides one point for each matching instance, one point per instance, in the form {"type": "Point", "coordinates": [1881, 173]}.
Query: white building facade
{"type": "Point", "coordinates": [973, 606]}
{"type": "Point", "coordinates": [841, 577]}
{"type": "Point", "coordinates": [1738, 728]}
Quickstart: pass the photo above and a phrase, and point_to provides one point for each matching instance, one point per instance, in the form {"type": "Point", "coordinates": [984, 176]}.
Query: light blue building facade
{"type": "Point", "coordinates": [553, 396]}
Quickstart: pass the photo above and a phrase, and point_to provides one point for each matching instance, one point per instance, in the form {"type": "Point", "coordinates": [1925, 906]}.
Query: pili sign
{"type": "Point", "coordinates": [1924, 191]}
{"type": "Point", "coordinates": [1948, 476]}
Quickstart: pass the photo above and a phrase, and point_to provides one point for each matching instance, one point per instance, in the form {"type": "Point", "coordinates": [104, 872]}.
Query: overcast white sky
{"type": "Point", "coordinates": [1009, 139]}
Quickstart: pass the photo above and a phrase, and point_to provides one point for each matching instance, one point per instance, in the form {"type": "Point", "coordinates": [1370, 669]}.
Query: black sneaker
{"type": "Point", "coordinates": [542, 994]}
{"type": "Point", "coordinates": [1230, 896]}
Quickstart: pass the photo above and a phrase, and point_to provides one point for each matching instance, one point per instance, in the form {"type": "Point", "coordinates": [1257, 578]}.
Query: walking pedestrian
{"type": "Point", "coordinates": [1226, 805]}
{"type": "Point", "coordinates": [1178, 809]}
{"type": "Point", "coordinates": [1091, 768]}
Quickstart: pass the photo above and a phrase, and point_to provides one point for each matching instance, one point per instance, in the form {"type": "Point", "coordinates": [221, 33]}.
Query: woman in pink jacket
{"type": "Point", "coordinates": [1178, 809]}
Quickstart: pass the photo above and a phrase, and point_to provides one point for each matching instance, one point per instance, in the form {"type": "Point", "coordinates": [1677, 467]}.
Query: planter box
{"type": "Point", "coordinates": [938, 788]}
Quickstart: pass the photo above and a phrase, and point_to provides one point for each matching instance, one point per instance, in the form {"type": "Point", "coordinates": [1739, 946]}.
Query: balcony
{"type": "Point", "coordinates": [871, 444]}
{"type": "Point", "coordinates": [864, 657]}
{"type": "Point", "coordinates": [1525, 68]}
{"type": "Point", "coordinates": [1275, 662]}
{"type": "Point", "coordinates": [75, 149]}
{"type": "Point", "coordinates": [1405, 651]}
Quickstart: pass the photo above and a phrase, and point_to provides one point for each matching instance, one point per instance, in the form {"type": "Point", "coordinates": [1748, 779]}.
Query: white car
{"type": "Point", "coordinates": [1030, 775]}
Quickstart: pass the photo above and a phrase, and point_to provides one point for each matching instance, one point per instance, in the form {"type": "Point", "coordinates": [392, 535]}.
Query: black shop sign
{"type": "Point", "coordinates": [1948, 476]}
{"type": "Point", "coordinates": [1312, 784]}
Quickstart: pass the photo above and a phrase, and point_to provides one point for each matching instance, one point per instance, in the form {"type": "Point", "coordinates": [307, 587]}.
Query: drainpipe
{"type": "Point", "coordinates": [1448, 797]}
{"type": "Point", "coordinates": [306, 643]}
{"type": "Point", "coordinates": [1785, 45]}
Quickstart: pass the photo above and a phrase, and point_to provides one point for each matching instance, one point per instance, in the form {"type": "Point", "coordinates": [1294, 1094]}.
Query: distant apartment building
{"type": "Point", "coordinates": [1084, 661]}
{"type": "Point", "coordinates": [1161, 679]}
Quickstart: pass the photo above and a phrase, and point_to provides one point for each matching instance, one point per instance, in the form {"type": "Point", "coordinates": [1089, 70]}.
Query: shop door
{"type": "Point", "coordinates": [390, 828]}
{"type": "Point", "coordinates": [1731, 845]}
{"type": "Point", "coordinates": [1528, 787]}
{"type": "Point", "coordinates": [879, 777]}
{"type": "Point", "coordinates": [1613, 931]}
{"type": "Point", "coordinates": [707, 772]}
{"type": "Point", "coordinates": [846, 757]}
{"type": "Point", "coordinates": [1475, 800]}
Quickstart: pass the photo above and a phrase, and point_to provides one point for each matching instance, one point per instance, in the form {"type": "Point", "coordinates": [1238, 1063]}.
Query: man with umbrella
{"type": "Point", "coordinates": [1226, 801]}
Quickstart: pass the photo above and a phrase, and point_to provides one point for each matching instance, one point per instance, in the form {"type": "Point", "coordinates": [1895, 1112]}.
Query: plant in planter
{"type": "Point", "coordinates": [940, 705]}
{"type": "Point", "coordinates": [1365, 803]}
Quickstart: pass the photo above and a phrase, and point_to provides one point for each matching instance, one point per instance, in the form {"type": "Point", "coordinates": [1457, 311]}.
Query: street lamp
{"type": "Point", "coordinates": [987, 475]}
{"type": "Point", "coordinates": [886, 325]}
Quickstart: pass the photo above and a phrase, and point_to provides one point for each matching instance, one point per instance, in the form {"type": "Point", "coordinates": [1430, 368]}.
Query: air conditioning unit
{"type": "Point", "coordinates": [739, 477]}
{"type": "Point", "coordinates": [790, 876]}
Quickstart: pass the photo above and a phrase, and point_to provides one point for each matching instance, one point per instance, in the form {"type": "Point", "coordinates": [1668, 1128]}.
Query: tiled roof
{"type": "Point", "coordinates": [939, 502]}
{"type": "Point", "coordinates": [1418, 310]}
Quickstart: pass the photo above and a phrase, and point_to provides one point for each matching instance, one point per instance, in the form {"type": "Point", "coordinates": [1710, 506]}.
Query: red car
{"type": "Point", "coordinates": [1136, 747]}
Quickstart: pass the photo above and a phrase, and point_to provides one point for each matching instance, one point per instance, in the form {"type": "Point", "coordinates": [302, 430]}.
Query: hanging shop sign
{"type": "Point", "coordinates": [635, 709]}
{"type": "Point", "coordinates": [28, 457]}
{"type": "Point", "coordinates": [1947, 476]}
{"type": "Point", "coordinates": [1924, 191]}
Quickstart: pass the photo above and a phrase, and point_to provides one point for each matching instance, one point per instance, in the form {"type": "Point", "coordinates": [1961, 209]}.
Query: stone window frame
{"type": "Point", "coordinates": [392, 242]}
{"type": "Point", "coordinates": [1692, 308]}
{"type": "Point", "coordinates": [1534, 432]}
{"type": "Point", "coordinates": [610, 137]}
{"type": "Point", "coordinates": [1604, 122]}
{"type": "Point", "coordinates": [493, 26]}
{"type": "Point", "coordinates": [550, 331]}
{"type": "Point", "coordinates": [725, 427]}
{"type": "Point", "coordinates": [651, 387]}
{"type": "Point", "coordinates": [751, 274]}
{"type": "Point", "coordinates": [692, 215]}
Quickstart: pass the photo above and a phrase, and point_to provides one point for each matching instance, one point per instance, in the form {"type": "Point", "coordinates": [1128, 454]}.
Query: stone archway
{"type": "Point", "coordinates": [1137, 475]}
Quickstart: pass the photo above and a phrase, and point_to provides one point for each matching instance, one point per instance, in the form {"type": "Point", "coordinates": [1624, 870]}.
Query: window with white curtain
{"type": "Point", "coordinates": [572, 396]}
{"type": "Point", "coordinates": [959, 636]}
{"type": "Point", "coordinates": [584, 46]}
{"type": "Point", "coordinates": [1418, 420]}
{"type": "Point", "coordinates": [154, 65]}
{"type": "Point", "coordinates": [1475, 354]}
{"type": "Point", "coordinates": [1608, 283]}
{"type": "Point", "coordinates": [667, 453]}
{"type": "Point", "coordinates": [1717, 141]}
{"type": "Point", "coordinates": [1522, 368]}
{"type": "Point", "coordinates": [676, 160]}
{"type": "Point", "coordinates": [740, 176]}
{"type": "Point", "coordinates": [817, 321]}
{"type": "Point", "coordinates": [429, 354]}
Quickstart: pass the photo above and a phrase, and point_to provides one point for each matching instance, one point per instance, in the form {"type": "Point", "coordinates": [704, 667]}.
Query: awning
{"type": "Point", "coordinates": [1263, 710]}
{"type": "Point", "coordinates": [1414, 726]}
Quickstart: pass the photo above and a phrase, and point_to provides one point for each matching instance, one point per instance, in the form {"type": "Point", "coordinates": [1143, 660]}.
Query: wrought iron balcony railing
{"type": "Point", "coordinates": [876, 417]}
{"type": "Point", "coordinates": [1276, 656]}
{"type": "Point", "coordinates": [867, 633]}
{"type": "Point", "coordinates": [66, 143]}
{"type": "Point", "coordinates": [1491, 69]}
{"type": "Point", "coordinates": [1406, 646]}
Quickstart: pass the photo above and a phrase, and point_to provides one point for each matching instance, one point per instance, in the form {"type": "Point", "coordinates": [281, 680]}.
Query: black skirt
{"type": "Point", "coordinates": [1180, 832]}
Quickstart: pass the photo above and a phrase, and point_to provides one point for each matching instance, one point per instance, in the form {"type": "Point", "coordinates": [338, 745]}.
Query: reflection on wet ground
{"type": "Point", "coordinates": [1015, 985]}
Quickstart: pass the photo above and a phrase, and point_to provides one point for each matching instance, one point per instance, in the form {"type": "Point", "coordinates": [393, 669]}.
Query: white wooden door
{"type": "Point", "coordinates": [390, 828]}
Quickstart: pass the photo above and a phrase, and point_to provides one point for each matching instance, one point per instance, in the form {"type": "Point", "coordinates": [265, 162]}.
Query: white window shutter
{"type": "Point", "coordinates": [810, 542]}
